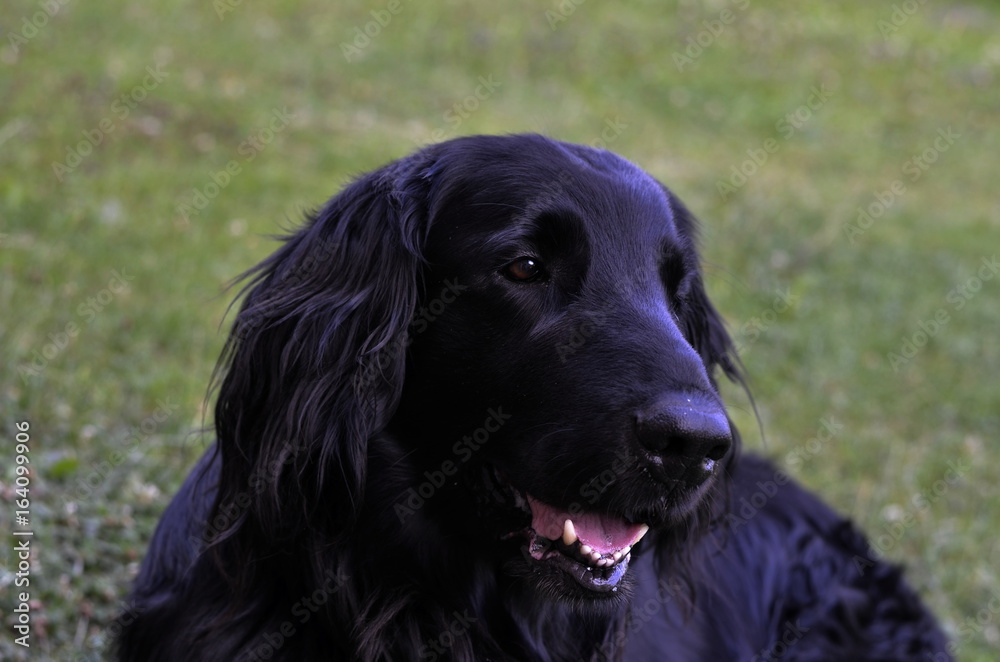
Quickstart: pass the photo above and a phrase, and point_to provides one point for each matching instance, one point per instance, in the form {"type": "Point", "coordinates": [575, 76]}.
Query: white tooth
{"type": "Point", "coordinates": [642, 532]}
{"type": "Point", "coordinates": [569, 533]}
{"type": "Point", "coordinates": [595, 556]}
{"type": "Point", "coordinates": [626, 551]}
{"type": "Point", "coordinates": [586, 550]}
{"type": "Point", "coordinates": [617, 556]}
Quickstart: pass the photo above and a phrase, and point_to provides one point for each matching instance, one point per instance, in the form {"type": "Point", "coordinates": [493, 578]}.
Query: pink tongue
{"type": "Point", "coordinates": [603, 533]}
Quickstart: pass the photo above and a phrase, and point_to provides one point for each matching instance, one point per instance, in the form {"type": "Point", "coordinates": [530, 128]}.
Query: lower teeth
{"type": "Point", "coordinates": [591, 558]}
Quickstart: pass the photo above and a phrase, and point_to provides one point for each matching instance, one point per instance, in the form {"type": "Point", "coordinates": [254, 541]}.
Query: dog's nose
{"type": "Point", "coordinates": [684, 434]}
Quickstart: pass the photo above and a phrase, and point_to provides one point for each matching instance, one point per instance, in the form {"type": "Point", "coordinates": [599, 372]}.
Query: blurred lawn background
{"type": "Point", "coordinates": [112, 277]}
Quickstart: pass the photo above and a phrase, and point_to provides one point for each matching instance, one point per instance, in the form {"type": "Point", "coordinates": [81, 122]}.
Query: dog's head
{"type": "Point", "coordinates": [502, 341]}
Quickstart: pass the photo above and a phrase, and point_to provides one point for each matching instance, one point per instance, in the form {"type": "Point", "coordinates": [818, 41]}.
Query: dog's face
{"type": "Point", "coordinates": [558, 372]}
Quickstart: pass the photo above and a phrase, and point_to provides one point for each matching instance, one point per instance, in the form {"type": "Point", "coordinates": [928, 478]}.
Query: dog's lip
{"type": "Point", "coordinates": [594, 549]}
{"type": "Point", "coordinates": [597, 535]}
{"type": "Point", "coordinates": [590, 576]}
{"type": "Point", "coordinates": [591, 547]}
{"type": "Point", "coordinates": [592, 570]}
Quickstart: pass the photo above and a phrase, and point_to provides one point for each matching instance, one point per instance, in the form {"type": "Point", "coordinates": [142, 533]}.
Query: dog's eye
{"type": "Point", "coordinates": [523, 270]}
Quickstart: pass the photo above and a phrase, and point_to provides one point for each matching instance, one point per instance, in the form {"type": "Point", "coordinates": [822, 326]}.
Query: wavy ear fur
{"type": "Point", "coordinates": [314, 364]}
{"type": "Point", "coordinates": [705, 326]}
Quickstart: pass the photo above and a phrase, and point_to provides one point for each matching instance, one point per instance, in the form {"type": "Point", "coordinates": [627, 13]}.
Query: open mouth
{"type": "Point", "coordinates": [594, 549]}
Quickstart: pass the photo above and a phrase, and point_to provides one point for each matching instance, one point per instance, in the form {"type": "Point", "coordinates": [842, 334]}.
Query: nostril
{"type": "Point", "coordinates": [717, 452]}
{"type": "Point", "coordinates": [654, 435]}
{"type": "Point", "coordinates": [689, 427]}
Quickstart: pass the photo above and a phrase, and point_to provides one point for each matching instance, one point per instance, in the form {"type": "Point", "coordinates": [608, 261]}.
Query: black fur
{"type": "Point", "coordinates": [399, 376]}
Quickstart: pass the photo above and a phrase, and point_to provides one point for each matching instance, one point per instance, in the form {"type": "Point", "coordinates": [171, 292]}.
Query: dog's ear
{"type": "Point", "coordinates": [314, 363]}
{"type": "Point", "coordinates": [704, 326]}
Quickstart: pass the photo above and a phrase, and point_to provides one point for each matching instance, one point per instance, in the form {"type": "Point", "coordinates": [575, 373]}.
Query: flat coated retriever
{"type": "Point", "coordinates": [469, 412]}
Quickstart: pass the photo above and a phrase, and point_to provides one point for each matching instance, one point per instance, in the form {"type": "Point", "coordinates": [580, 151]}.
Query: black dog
{"type": "Point", "coordinates": [469, 413]}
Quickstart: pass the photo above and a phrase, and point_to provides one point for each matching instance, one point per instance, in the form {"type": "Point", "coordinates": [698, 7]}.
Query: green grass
{"type": "Point", "coordinates": [97, 490]}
